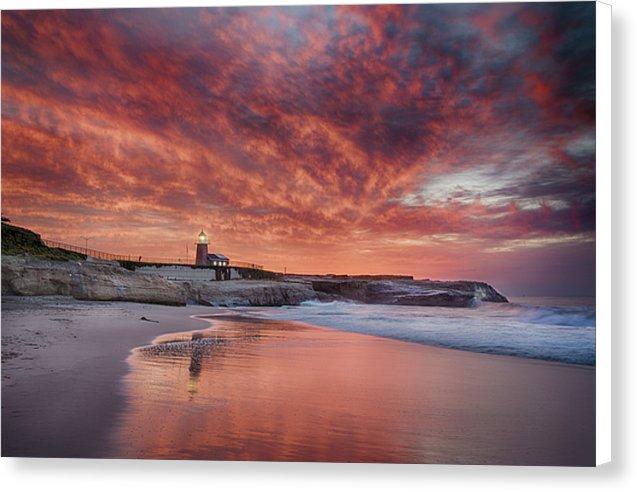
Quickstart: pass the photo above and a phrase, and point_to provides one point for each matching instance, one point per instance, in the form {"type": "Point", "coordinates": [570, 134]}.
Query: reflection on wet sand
{"type": "Point", "coordinates": [251, 389]}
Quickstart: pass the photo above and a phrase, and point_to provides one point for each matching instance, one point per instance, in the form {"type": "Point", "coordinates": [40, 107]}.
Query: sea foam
{"type": "Point", "coordinates": [553, 329]}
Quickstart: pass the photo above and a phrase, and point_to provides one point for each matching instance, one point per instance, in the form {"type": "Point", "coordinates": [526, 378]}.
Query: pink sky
{"type": "Point", "coordinates": [439, 141]}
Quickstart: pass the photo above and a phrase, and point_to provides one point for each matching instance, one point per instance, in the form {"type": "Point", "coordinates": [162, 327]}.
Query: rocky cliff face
{"type": "Point", "coordinates": [249, 293]}
{"type": "Point", "coordinates": [102, 281]}
{"type": "Point", "coordinates": [410, 292]}
{"type": "Point", "coordinates": [85, 280]}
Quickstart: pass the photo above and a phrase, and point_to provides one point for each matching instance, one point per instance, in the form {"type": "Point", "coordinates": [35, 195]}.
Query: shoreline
{"type": "Point", "coordinates": [239, 314]}
{"type": "Point", "coordinates": [41, 413]}
{"type": "Point", "coordinates": [62, 391]}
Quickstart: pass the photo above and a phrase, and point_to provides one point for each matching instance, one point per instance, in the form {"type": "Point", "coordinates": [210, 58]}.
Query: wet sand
{"type": "Point", "coordinates": [62, 366]}
{"type": "Point", "coordinates": [266, 390]}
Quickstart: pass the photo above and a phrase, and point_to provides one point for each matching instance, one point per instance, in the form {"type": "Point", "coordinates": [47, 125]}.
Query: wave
{"type": "Point", "coordinates": [583, 316]}
{"type": "Point", "coordinates": [558, 316]}
{"type": "Point", "coordinates": [563, 333]}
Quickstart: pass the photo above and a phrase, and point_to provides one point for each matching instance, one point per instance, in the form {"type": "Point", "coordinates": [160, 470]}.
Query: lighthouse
{"type": "Point", "coordinates": [204, 258]}
{"type": "Point", "coordinates": [202, 249]}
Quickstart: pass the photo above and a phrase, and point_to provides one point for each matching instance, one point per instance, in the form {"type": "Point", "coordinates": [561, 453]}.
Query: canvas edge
{"type": "Point", "coordinates": [603, 16]}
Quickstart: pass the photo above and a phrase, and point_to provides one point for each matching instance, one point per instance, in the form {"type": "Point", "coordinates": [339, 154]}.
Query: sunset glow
{"type": "Point", "coordinates": [450, 141]}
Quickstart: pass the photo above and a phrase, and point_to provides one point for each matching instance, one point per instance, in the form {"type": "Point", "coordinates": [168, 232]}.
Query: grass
{"type": "Point", "coordinates": [17, 240]}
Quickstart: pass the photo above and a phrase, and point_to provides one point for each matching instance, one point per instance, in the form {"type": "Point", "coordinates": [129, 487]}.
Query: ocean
{"type": "Point", "coordinates": [558, 329]}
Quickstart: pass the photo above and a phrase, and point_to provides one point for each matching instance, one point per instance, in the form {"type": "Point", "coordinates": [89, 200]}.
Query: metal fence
{"type": "Point", "coordinates": [245, 264]}
{"type": "Point", "coordinates": [138, 259]}
{"type": "Point", "coordinates": [86, 251]}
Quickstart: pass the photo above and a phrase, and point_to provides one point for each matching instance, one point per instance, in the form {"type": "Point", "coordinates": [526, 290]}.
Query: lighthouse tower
{"type": "Point", "coordinates": [202, 249]}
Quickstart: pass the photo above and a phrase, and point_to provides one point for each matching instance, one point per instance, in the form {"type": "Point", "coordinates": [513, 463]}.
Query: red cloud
{"type": "Point", "coordinates": [396, 139]}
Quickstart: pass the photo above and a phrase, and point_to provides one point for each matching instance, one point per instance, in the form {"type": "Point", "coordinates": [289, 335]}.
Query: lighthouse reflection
{"type": "Point", "coordinates": [205, 348]}
{"type": "Point", "coordinates": [263, 390]}
{"type": "Point", "coordinates": [196, 358]}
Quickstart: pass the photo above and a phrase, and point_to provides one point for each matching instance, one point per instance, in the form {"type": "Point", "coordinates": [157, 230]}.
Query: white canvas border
{"type": "Point", "coordinates": [603, 232]}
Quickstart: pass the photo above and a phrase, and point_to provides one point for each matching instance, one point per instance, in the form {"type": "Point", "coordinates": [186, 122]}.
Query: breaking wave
{"type": "Point", "coordinates": [553, 329]}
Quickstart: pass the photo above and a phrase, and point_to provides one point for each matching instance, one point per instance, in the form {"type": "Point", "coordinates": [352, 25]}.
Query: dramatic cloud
{"type": "Point", "coordinates": [437, 140]}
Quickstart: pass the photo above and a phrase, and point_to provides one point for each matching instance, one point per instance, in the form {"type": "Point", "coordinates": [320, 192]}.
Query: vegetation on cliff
{"type": "Point", "coordinates": [17, 241]}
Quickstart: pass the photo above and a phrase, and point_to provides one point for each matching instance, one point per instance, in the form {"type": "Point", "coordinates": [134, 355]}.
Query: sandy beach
{"type": "Point", "coordinates": [62, 363]}
{"type": "Point", "coordinates": [73, 385]}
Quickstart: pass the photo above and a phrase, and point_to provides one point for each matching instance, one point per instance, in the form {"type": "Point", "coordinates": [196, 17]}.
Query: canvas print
{"type": "Point", "coordinates": [311, 233]}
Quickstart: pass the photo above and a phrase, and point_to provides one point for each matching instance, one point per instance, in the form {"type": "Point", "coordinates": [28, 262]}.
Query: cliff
{"type": "Point", "coordinates": [409, 292]}
{"type": "Point", "coordinates": [85, 280]}
{"type": "Point", "coordinates": [249, 293]}
{"type": "Point", "coordinates": [28, 275]}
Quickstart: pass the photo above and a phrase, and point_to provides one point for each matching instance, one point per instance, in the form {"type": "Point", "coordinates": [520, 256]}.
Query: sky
{"type": "Point", "coordinates": [440, 141]}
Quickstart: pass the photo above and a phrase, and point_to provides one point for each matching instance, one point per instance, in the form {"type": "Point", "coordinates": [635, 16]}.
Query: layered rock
{"type": "Point", "coordinates": [409, 292]}
{"type": "Point", "coordinates": [85, 280]}
{"type": "Point", "coordinates": [249, 293]}
{"type": "Point", "coordinates": [103, 281]}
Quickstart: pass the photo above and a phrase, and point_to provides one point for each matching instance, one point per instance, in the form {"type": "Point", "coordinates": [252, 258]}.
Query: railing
{"type": "Point", "coordinates": [245, 264]}
{"type": "Point", "coordinates": [86, 251]}
{"type": "Point", "coordinates": [138, 259]}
